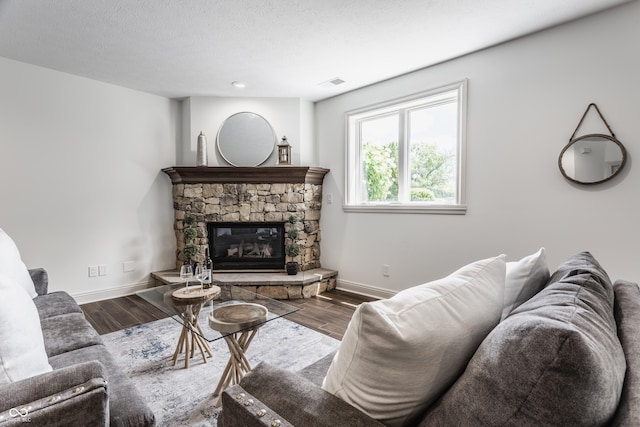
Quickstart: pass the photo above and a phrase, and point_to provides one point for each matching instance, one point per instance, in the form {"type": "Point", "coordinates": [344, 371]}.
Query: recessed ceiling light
{"type": "Point", "coordinates": [238, 84]}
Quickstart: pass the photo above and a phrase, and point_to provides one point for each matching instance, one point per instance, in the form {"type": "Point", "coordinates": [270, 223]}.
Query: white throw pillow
{"type": "Point", "coordinates": [398, 355]}
{"type": "Point", "coordinates": [525, 278]}
{"type": "Point", "coordinates": [22, 352]}
{"type": "Point", "coordinates": [11, 264]}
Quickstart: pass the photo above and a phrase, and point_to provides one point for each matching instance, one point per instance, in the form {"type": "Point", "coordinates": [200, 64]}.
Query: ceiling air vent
{"type": "Point", "coordinates": [332, 82]}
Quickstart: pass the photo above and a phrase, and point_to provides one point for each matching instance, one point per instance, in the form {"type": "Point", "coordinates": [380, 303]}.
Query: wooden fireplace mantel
{"type": "Point", "coordinates": [245, 175]}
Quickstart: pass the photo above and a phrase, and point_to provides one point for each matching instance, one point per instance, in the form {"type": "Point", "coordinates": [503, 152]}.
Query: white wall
{"type": "Point", "coordinates": [290, 117]}
{"type": "Point", "coordinates": [525, 100]}
{"type": "Point", "coordinates": [80, 178]}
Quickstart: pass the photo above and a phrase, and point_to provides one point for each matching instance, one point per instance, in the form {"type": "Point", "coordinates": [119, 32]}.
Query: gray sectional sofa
{"type": "Point", "coordinates": [85, 387]}
{"type": "Point", "coordinates": [568, 355]}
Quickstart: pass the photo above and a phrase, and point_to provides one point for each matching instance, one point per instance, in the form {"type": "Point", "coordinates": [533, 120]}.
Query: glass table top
{"type": "Point", "coordinates": [162, 298]}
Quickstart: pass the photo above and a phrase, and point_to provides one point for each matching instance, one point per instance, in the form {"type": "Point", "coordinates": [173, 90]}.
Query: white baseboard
{"type": "Point", "coordinates": [120, 291]}
{"type": "Point", "coordinates": [362, 289]}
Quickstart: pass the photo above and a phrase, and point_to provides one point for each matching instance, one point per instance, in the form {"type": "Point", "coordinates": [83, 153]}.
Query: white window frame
{"type": "Point", "coordinates": [352, 156]}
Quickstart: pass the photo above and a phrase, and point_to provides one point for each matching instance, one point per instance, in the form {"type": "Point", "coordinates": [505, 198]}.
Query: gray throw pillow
{"type": "Point", "coordinates": [556, 360]}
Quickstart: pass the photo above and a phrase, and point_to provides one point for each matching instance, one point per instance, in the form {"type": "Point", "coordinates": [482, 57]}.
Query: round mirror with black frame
{"type": "Point", "coordinates": [592, 159]}
{"type": "Point", "coordinates": [246, 139]}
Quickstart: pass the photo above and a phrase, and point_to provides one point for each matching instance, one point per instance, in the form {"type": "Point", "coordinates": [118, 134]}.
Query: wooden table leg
{"type": "Point", "coordinates": [198, 335]}
{"type": "Point", "coordinates": [180, 345]}
{"type": "Point", "coordinates": [205, 344]}
{"type": "Point", "coordinates": [238, 365]}
{"type": "Point", "coordinates": [191, 337]}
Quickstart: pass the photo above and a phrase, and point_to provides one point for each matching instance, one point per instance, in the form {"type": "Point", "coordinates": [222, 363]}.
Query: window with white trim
{"type": "Point", "coordinates": [407, 155]}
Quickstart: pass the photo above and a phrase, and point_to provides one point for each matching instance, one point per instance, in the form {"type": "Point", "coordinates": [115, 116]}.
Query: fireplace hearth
{"type": "Point", "coordinates": [247, 246]}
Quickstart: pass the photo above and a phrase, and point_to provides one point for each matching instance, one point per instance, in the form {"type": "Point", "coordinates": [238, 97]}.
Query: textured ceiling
{"type": "Point", "coordinates": [280, 48]}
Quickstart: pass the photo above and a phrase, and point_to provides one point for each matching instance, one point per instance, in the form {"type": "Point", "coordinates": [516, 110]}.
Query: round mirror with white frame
{"type": "Point", "coordinates": [246, 139]}
{"type": "Point", "coordinates": [592, 159]}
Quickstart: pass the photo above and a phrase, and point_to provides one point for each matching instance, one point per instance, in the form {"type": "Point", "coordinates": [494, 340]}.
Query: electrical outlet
{"type": "Point", "coordinates": [386, 270]}
{"type": "Point", "coordinates": [102, 270]}
{"type": "Point", "coordinates": [329, 198]}
{"type": "Point", "coordinates": [93, 271]}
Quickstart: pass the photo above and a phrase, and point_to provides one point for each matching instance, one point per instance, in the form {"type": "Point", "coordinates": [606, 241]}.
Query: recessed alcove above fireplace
{"type": "Point", "coordinates": [249, 196]}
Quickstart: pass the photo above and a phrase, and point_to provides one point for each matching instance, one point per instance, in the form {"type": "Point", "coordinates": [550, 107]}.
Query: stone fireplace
{"type": "Point", "coordinates": [249, 196]}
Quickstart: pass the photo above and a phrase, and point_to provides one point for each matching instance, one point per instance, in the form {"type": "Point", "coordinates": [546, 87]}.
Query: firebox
{"type": "Point", "coordinates": [246, 246]}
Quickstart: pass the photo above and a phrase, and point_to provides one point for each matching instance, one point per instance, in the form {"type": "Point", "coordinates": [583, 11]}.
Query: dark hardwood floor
{"type": "Point", "coordinates": [119, 313]}
{"type": "Point", "coordinates": [328, 313]}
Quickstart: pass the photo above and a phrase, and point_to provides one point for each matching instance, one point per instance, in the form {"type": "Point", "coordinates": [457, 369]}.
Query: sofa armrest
{"type": "Point", "coordinates": [241, 409]}
{"type": "Point", "coordinates": [294, 399]}
{"type": "Point", "coordinates": [72, 396]}
{"type": "Point", "coordinates": [40, 280]}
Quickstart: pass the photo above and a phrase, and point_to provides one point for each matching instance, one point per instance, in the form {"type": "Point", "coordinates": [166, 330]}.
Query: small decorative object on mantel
{"type": "Point", "coordinates": [284, 152]}
{"type": "Point", "coordinates": [202, 158]}
{"type": "Point", "coordinates": [592, 158]}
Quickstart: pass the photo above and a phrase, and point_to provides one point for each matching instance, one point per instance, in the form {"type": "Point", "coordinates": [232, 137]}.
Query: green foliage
{"type": "Point", "coordinates": [189, 220]}
{"type": "Point", "coordinates": [421, 194]}
{"type": "Point", "coordinates": [190, 250]}
{"type": "Point", "coordinates": [432, 172]}
{"type": "Point", "coordinates": [381, 171]}
{"type": "Point", "coordinates": [430, 168]}
{"type": "Point", "coordinates": [190, 233]}
{"type": "Point", "coordinates": [293, 233]}
{"type": "Point", "coordinates": [292, 250]}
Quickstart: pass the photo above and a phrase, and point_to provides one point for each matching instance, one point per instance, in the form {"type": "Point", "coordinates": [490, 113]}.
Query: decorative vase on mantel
{"type": "Point", "coordinates": [201, 158]}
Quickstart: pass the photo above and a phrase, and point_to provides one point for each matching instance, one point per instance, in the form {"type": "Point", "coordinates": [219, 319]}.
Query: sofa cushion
{"type": "Point", "coordinates": [55, 304]}
{"type": "Point", "coordinates": [22, 352]}
{"type": "Point", "coordinates": [126, 405]}
{"type": "Point", "coordinates": [398, 355]}
{"type": "Point", "coordinates": [316, 372]}
{"type": "Point", "coordinates": [12, 266]}
{"type": "Point", "coordinates": [40, 279]}
{"type": "Point", "coordinates": [524, 279]}
{"type": "Point", "coordinates": [67, 332]}
{"type": "Point", "coordinates": [556, 360]}
{"type": "Point", "coordinates": [627, 314]}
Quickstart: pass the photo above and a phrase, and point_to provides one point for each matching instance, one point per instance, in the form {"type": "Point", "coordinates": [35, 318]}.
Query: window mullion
{"type": "Point", "coordinates": [403, 160]}
{"type": "Point", "coordinates": [359, 178]}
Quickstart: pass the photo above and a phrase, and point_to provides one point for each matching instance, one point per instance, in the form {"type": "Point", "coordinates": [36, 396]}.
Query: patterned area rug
{"type": "Point", "coordinates": [183, 397]}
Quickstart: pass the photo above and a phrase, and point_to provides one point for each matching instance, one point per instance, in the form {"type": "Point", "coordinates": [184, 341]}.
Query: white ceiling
{"type": "Point", "coordinates": [280, 48]}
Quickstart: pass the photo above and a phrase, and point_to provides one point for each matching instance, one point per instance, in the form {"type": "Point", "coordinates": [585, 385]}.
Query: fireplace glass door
{"type": "Point", "coordinates": [246, 246]}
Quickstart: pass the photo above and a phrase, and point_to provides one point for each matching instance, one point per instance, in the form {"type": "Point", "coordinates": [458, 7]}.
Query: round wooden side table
{"type": "Point", "coordinates": [239, 323]}
{"type": "Point", "coordinates": [189, 302]}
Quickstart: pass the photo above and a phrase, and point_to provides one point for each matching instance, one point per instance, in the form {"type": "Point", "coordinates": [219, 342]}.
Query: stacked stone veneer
{"type": "Point", "coordinates": [242, 202]}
